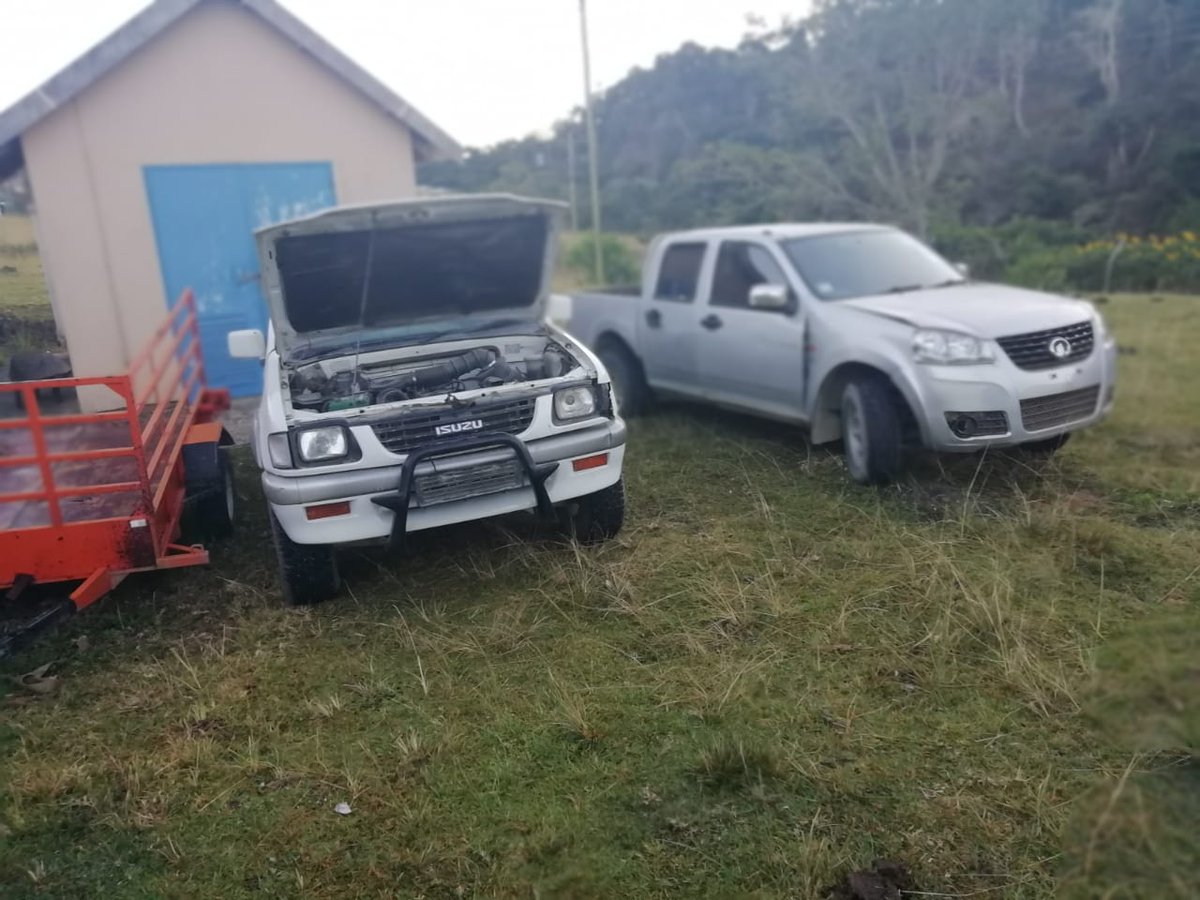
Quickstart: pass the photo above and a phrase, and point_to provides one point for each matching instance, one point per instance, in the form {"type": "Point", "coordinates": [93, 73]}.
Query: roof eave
{"type": "Point", "coordinates": [160, 15]}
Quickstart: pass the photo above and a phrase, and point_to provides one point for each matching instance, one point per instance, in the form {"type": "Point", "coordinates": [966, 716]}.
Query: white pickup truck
{"type": "Point", "coordinates": [410, 381]}
{"type": "Point", "coordinates": [860, 333]}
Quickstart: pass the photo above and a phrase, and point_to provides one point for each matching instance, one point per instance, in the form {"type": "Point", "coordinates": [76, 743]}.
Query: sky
{"type": "Point", "coordinates": [484, 70]}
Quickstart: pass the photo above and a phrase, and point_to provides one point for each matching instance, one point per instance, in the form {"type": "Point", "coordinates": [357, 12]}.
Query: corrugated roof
{"type": "Point", "coordinates": [157, 18]}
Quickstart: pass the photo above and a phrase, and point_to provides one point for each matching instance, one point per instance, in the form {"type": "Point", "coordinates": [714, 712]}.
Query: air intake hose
{"type": "Point", "coordinates": [444, 372]}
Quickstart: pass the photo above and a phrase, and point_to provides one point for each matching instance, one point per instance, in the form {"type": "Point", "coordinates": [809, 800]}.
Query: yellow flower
{"type": "Point", "coordinates": [1190, 237]}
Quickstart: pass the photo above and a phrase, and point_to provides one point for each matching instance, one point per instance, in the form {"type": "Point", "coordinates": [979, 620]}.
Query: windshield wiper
{"type": "Point", "coordinates": [910, 288]}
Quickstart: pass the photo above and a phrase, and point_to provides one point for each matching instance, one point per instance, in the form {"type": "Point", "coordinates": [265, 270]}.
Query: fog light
{"type": "Point", "coordinates": [964, 426]}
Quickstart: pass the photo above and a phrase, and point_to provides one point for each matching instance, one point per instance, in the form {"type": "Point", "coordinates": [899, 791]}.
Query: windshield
{"type": "Point", "coordinates": [866, 263]}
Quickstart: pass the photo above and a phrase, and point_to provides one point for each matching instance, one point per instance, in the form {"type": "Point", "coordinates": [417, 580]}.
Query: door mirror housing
{"type": "Point", "coordinates": [247, 344]}
{"type": "Point", "coordinates": [771, 297]}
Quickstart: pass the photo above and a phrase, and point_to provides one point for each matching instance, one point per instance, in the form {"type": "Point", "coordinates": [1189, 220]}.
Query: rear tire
{"type": "Point", "coordinates": [628, 381]}
{"type": "Point", "coordinates": [871, 430]}
{"type": "Point", "coordinates": [210, 496]}
{"type": "Point", "coordinates": [595, 518]}
{"type": "Point", "coordinates": [308, 573]}
{"type": "Point", "coordinates": [1046, 448]}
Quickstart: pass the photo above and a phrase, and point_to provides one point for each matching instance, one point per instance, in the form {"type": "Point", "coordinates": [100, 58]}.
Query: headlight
{"type": "Point", "coordinates": [574, 403]}
{"type": "Point", "coordinates": [949, 348]}
{"type": "Point", "coordinates": [321, 444]}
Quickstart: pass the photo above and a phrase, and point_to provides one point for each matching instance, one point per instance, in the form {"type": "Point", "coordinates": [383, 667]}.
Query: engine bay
{"type": "Point", "coordinates": [353, 382]}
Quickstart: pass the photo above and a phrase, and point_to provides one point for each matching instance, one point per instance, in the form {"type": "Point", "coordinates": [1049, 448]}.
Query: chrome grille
{"type": "Point", "coordinates": [1032, 351]}
{"type": "Point", "coordinates": [1059, 409]}
{"type": "Point", "coordinates": [433, 488]}
{"type": "Point", "coordinates": [405, 433]}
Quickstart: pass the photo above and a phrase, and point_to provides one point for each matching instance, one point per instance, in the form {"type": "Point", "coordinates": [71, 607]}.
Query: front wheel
{"type": "Point", "coordinates": [871, 430]}
{"type": "Point", "coordinates": [308, 573]}
{"type": "Point", "coordinates": [598, 517]}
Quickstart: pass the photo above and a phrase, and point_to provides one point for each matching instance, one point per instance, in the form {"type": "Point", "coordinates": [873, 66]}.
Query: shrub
{"type": "Point", "coordinates": [1170, 263]}
{"type": "Point", "coordinates": [621, 263]}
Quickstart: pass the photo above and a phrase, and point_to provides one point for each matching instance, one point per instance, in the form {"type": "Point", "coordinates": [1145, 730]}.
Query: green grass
{"type": "Point", "coordinates": [772, 678]}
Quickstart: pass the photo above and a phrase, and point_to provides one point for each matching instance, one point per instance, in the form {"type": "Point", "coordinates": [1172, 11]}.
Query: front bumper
{"type": "Point", "coordinates": [1003, 388]}
{"type": "Point", "coordinates": [367, 520]}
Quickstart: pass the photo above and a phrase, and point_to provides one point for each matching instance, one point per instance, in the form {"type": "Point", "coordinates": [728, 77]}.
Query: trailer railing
{"type": "Point", "coordinates": [104, 484]}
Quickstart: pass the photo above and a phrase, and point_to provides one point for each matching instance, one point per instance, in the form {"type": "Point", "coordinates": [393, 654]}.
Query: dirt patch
{"type": "Point", "coordinates": [885, 880]}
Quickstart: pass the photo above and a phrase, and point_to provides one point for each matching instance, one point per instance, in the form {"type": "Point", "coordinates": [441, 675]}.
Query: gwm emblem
{"type": "Point", "coordinates": [1060, 348]}
{"type": "Point", "coordinates": [457, 427]}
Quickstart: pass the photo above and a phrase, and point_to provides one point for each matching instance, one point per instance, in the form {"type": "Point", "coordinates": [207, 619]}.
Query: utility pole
{"type": "Point", "coordinates": [571, 178]}
{"type": "Point", "coordinates": [593, 171]}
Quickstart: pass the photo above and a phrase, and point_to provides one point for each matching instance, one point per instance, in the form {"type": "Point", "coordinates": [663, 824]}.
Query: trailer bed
{"type": "Point", "coordinates": [92, 497]}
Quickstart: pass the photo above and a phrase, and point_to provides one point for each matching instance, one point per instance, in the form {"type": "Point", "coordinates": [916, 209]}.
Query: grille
{"type": "Point", "coordinates": [1032, 351]}
{"type": "Point", "coordinates": [403, 434]}
{"type": "Point", "coordinates": [1059, 409]}
{"type": "Point", "coordinates": [987, 424]}
{"type": "Point", "coordinates": [475, 481]}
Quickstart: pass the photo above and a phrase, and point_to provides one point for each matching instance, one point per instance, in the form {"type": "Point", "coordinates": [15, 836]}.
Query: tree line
{"type": "Point", "coordinates": [1082, 116]}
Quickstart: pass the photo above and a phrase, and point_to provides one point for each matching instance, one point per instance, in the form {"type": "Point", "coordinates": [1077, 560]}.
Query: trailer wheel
{"type": "Point", "coordinates": [595, 518]}
{"type": "Point", "coordinates": [210, 498]}
{"type": "Point", "coordinates": [308, 573]}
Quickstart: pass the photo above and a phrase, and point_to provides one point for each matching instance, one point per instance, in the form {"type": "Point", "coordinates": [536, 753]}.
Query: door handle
{"type": "Point", "coordinates": [654, 318]}
{"type": "Point", "coordinates": [712, 322]}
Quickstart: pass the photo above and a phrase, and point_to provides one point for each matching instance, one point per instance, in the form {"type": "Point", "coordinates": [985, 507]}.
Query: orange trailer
{"type": "Point", "coordinates": [94, 497]}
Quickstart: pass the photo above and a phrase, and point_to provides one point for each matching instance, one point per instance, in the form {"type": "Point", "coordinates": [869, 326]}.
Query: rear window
{"type": "Point", "coordinates": [679, 273]}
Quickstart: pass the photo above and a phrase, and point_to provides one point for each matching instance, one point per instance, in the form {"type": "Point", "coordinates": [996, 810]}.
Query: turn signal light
{"type": "Point", "coordinates": [590, 462]}
{"type": "Point", "coordinates": [327, 510]}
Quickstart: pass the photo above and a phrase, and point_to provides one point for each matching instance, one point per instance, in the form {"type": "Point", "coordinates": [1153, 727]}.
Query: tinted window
{"type": "Point", "coordinates": [741, 266]}
{"type": "Point", "coordinates": [679, 273]}
{"type": "Point", "coordinates": [863, 263]}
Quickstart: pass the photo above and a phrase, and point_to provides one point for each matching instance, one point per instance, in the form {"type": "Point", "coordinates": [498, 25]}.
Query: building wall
{"type": "Point", "coordinates": [219, 86]}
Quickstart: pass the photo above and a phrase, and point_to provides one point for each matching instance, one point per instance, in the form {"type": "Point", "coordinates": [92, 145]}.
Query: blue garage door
{"type": "Point", "coordinates": [204, 221]}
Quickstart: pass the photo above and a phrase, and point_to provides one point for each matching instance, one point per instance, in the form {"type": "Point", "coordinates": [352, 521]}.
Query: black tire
{"type": "Point", "coordinates": [629, 387]}
{"type": "Point", "coordinates": [595, 518]}
{"type": "Point", "coordinates": [308, 573]}
{"type": "Point", "coordinates": [871, 429]}
{"type": "Point", "coordinates": [1045, 448]}
{"type": "Point", "coordinates": [210, 496]}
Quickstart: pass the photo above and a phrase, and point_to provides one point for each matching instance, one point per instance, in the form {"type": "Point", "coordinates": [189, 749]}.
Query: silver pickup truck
{"type": "Point", "coordinates": [860, 333]}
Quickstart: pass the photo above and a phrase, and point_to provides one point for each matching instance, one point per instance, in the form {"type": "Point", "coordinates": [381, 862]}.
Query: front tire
{"type": "Point", "coordinates": [598, 517]}
{"type": "Point", "coordinates": [628, 381]}
{"type": "Point", "coordinates": [308, 573]}
{"type": "Point", "coordinates": [871, 430]}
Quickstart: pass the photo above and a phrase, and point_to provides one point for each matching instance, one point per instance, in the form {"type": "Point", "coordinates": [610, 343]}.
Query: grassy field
{"type": "Point", "coordinates": [987, 672]}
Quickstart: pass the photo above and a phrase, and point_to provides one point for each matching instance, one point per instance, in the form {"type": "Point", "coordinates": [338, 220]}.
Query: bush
{"type": "Point", "coordinates": [990, 252]}
{"type": "Point", "coordinates": [621, 263]}
{"type": "Point", "coordinates": [1156, 263]}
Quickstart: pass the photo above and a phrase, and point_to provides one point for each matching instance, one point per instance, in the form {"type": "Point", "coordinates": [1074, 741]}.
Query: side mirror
{"type": "Point", "coordinates": [964, 269]}
{"type": "Point", "coordinates": [772, 297]}
{"type": "Point", "coordinates": [247, 344]}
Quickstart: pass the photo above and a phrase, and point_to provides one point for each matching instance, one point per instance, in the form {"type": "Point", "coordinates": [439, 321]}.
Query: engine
{"type": "Point", "coordinates": [323, 388]}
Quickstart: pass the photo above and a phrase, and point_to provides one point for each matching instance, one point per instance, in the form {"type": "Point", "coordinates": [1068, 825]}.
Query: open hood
{"type": "Point", "coordinates": [367, 271]}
